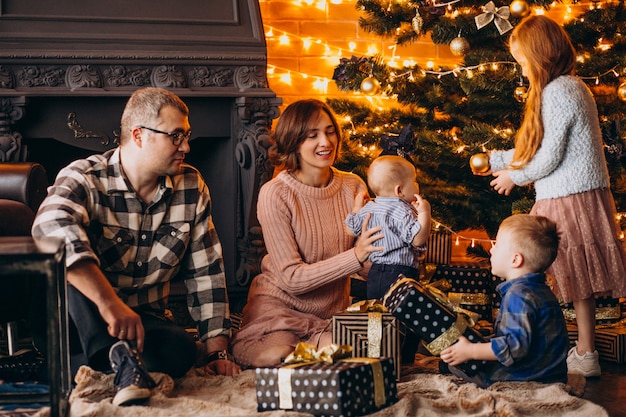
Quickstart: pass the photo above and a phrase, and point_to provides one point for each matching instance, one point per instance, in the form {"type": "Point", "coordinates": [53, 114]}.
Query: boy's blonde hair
{"type": "Point", "coordinates": [535, 237]}
{"type": "Point", "coordinates": [387, 171]}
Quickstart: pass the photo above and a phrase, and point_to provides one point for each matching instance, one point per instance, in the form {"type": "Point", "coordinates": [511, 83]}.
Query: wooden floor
{"type": "Point", "coordinates": [609, 390]}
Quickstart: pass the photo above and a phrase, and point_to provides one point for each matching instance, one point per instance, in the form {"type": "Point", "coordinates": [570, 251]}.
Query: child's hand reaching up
{"type": "Point", "coordinates": [420, 204]}
{"type": "Point", "coordinates": [360, 200]}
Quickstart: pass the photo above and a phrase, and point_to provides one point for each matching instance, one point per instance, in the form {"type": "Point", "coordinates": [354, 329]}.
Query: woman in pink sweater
{"type": "Point", "coordinates": [304, 276]}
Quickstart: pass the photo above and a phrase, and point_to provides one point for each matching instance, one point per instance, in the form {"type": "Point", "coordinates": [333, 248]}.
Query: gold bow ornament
{"type": "Point", "coordinates": [499, 16]}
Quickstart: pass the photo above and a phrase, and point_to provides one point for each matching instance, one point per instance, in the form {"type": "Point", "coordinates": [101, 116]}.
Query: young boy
{"type": "Point", "coordinates": [530, 341]}
{"type": "Point", "coordinates": [404, 217]}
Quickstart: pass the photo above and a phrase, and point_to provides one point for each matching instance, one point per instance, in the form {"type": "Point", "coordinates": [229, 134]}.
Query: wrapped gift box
{"type": "Point", "coordinates": [471, 288]}
{"type": "Point", "coordinates": [371, 335]}
{"type": "Point", "coordinates": [608, 310]}
{"type": "Point", "coordinates": [610, 341]}
{"type": "Point", "coordinates": [430, 315]}
{"type": "Point", "coordinates": [439, 248]}
{"type": "Point", "coordinates": [350, 387]}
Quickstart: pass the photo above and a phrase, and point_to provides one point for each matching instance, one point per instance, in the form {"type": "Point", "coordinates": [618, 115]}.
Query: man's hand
{"type": "Point", "coordinates": [122, 321]}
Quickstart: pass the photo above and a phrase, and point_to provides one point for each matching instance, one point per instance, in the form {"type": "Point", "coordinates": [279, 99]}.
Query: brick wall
{"type": "Point", "coordinates": [318, 35]}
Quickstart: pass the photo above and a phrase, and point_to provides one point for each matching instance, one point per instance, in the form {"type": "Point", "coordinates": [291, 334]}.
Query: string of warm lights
{"type": "Point", "coordinates": [320, 83]}
{"type": "Point", "coordinates": [459, 237]}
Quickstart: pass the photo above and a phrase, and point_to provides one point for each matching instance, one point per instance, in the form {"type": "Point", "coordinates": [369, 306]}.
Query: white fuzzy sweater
{"type": "Point", "coordinates": [570, 159]}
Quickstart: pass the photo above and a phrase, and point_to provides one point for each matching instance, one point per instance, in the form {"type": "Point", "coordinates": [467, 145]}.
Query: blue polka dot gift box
{"type": "Point", "coordinates": [349, 387]}
{"type": "Point", "coordinates": [427, 312]}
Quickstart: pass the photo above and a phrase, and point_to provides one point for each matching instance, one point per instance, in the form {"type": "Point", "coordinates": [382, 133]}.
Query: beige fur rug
{"type": "Point", "coordinates": [421, 394]}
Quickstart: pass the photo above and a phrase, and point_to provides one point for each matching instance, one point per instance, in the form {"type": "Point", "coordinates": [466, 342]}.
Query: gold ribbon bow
{"type": "Point", "coordinates": [374, 309]}
{"type": "Point", "coordinates": [500, 16]}
{"type": "Point", "coordinates": [306, 354]}
{"type": "Point", "coordinates": [367, 306]}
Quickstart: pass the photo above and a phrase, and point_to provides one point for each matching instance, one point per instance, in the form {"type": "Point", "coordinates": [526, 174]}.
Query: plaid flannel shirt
{"type": "Point", "coordinates": [141, 247]}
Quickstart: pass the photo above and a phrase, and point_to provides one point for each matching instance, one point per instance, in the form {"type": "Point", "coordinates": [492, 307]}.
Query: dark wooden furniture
{"type": "Point", "coordinates": [67, 69]}
{"type": "Point", "coordinates": [45, 259]}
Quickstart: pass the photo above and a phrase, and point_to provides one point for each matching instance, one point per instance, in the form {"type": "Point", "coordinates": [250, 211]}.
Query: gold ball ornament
{"type": "Point", "coordinates": [519, 8]}
{"type": "Point", "coordinates": [459, 46]}
{"type": "Point", "coordinates": [370, 86]}
{"type": "Point", "coordinates": [621, 91]}
{"type": "Point", "coordinates": [521, 93]}
{"type": "Point", "coordinates": [479, 163]}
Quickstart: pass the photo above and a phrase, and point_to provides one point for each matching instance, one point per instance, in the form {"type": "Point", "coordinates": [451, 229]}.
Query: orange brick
{"type": "Point", "coordinates": [288, 10]}
{"type": "Point", "coordinates": [280, 27]}
{"type": "Point", "coordinates": [329, 30]}
{"type": "Point", "coordinates": [345, 11]}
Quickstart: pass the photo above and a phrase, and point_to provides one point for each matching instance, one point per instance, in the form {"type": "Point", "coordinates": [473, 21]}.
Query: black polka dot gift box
{"type": "Point", "coordinates": [471, 288]}
{"type": "Point", "coordinates": [428, 313]}
{"type": "Point", "coordinates": [349, 387]}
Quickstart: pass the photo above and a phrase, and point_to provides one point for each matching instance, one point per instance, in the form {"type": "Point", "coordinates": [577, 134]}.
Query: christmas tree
{"type": "Point", "coordinates": [443, 116]}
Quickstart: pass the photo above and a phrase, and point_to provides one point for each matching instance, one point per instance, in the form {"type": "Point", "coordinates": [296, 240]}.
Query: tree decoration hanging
{"type": "Point", "coordinates": [370, 86]}
{"type": "Point", "coordinates": [417, 22]}
{"type": "Point", "coordinates": [459, 46]}
{"type": "Point", "coordinates": [521, 93]}
{"type": "Point", "coordinates": [621, 91]}
{"type": "Point", "coordinates": [519, 8]}
{"type": "Point", "coordinates": [499, 16]}
{"type": "Point", "coordinates": [402, 145]}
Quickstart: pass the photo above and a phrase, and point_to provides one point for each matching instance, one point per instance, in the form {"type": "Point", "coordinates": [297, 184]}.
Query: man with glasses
{"type": "Point", "coordinates": [133, 219]}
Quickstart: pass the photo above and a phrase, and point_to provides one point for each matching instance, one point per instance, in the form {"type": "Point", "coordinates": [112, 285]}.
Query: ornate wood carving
{"type": "Point", "coordinates": [11, 110]}
{"type": "Point", "coordinates": [255, 116]}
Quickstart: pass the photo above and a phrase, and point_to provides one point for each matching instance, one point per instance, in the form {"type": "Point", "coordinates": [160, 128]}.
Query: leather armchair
{"type": "Point", "coordinates": [23, 186]}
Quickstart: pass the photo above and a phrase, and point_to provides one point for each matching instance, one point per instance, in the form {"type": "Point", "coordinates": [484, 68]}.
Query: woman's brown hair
{"type": "Point", "coordinates": [293, 128]}
{"type": "Point", "coordinates": [549, 53]}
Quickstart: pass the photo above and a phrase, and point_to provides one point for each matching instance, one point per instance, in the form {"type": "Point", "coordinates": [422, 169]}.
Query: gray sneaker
{"type": "Point", "coordinates": [132, 380]}
{"type": "Point", "coordinates": [587, 364]}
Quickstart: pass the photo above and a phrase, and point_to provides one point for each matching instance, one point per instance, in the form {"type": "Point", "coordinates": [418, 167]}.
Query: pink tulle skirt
{"type": "Point", "coordinates": [591, 259]}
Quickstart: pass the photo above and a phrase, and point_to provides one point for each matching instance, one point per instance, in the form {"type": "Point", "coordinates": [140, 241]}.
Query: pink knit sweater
{"type": "Point", "coordinates": [310, 253]}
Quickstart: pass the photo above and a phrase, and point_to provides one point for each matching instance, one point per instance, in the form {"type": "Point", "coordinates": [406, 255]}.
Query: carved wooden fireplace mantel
{"type": "Point", "coordinates": [67, 68]}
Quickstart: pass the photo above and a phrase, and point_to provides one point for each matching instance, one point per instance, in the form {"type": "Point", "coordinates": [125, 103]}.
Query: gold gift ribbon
{"type": "Point", "coordinates": [480, 299]}
{"type": "Point", "coordinates": [437, 294]}
{"type": "Point", "coordinates": [285, 372]}
{"type": "Point", "coordinates": [374, 310]}
{"type": "Point", "coordinates": [379, 380]}
{"type": "Point", "coordinates": [464, 318]}
{"type": "Point", "coordinates": [602, 313]}
{"type": "Point", "coordinates": [448, 337]}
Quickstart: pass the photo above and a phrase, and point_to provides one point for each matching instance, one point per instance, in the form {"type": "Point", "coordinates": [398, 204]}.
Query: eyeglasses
{"type": "Point", "coordinates": [177, 137]}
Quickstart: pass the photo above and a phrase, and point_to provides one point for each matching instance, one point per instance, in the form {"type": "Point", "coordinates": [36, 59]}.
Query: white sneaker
{"type": "Point", "coordinates": [587, 364]}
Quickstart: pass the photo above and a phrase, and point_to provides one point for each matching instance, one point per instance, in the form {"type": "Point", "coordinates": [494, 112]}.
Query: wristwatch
{"type": "Point", "coordinates": [220, 355]}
